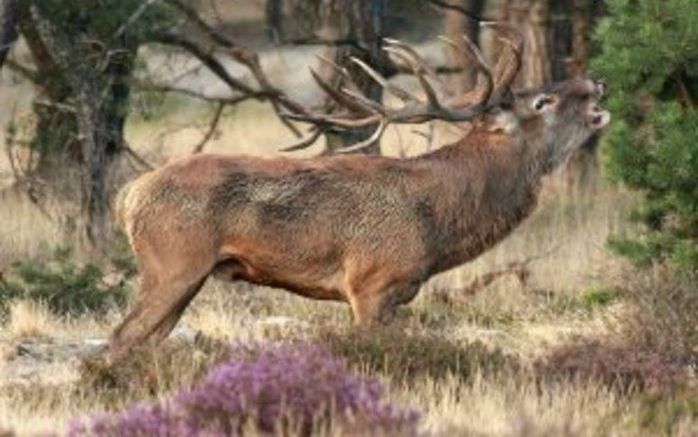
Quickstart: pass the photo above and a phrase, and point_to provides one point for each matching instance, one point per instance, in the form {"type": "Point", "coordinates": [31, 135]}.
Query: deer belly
{"type": "Point", "coordinates": [316, 280]}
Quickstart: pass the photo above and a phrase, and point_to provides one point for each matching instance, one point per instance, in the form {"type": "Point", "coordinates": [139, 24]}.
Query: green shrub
{"type": "Point", "coordinates": [649, 56]}
{"type": "Point", "coordinates": [121, 255]}
{"type": "Point", "coordinates": [64, 286]}
{"type": "Point", "coordinates": [601, 297]}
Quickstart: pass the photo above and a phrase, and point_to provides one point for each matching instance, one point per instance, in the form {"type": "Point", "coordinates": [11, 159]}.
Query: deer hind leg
{"type": "Point", "coordinates": [162, 298]}
{"type": "Point", "coordinates": [376, 304]}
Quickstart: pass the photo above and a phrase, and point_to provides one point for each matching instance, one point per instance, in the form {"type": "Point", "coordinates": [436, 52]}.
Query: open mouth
{"type": "Point", "coordinates": [600, 120]}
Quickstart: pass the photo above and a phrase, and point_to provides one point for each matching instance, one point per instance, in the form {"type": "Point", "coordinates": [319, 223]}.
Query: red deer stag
{"type": "Point", "coordinates": [366, 230]}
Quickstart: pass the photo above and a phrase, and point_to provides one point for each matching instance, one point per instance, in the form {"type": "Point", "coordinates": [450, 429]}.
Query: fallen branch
{"type": "Point", "coordinates": [519, 269]}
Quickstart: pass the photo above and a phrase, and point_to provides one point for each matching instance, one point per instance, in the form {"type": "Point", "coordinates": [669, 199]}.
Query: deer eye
{"type": "Point", "coordinates": [543, 102]}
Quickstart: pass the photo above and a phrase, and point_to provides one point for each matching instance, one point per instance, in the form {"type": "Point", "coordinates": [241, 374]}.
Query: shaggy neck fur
{"type": "Point", "coordinates": [489, 184]}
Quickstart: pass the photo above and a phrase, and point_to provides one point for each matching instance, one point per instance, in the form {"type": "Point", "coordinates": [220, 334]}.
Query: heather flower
{"type": "Point", "coordinates": [284, 388]}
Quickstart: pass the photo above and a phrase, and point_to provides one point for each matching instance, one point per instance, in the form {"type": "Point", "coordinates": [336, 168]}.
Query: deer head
{"type": "Point", "coordinates": [557, 119]}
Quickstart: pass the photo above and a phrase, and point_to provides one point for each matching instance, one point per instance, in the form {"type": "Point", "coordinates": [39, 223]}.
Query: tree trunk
{"type": "Point", "coordinates": [561, 35]}
{"type": "Point", "coordinates": [362, 21]}
{"type": "Point", "coordinates": [9, 16]}
{"type": "Point", "coordinates": [457, 25]}
{"type": "Point", "coordinates": [274, 12]}
{"type": "Point", "coordinates": [581, 33]}
{"type": "Point", "coordinates": [531, 18]}
{"type": "Point", "coordinates": [81, 111]}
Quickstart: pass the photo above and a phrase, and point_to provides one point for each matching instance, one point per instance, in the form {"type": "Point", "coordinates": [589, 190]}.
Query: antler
{"type": "Point", "coordinates": [359, 111]}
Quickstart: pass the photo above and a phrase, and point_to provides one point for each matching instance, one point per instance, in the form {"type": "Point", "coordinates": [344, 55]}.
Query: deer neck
{"type": "Point", "coordinates": [489, 183]}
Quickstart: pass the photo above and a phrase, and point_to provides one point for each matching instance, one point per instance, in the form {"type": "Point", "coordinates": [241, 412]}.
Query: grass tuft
{"type": "Point", "coordinates": [405, 356]}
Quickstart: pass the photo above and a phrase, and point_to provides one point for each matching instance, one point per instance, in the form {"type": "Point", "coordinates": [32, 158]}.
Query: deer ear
{"type": "Point", "coordinates": [543, 102]}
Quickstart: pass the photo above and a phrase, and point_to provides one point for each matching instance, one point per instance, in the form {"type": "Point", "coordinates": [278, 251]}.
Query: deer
{"type": "Point", "coordinates": [364, 230]}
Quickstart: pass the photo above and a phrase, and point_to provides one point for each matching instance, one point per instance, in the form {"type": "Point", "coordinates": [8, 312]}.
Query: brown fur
{"type": "Point", "coordinates": [365, 230]}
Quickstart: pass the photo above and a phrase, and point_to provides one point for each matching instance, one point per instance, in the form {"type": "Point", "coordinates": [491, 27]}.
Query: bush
{"type": "Point", "coordinates": [654, 344]}
{"type": "Point", "coordinates": [405, 356]}
{"type": "Point", "coordinates": [65, 287]}
{"type": "Point", "coordinates": [620, 366]}
{"type": "Point", "coordinates": [288, 389]}
{"type": "Point", "coordinates": [650, 58]}
{"type": "Point", "coordinates": [663, 317]}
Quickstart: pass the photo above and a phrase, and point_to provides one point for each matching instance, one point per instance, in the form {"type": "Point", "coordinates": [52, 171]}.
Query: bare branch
{"type": "Point", "coordinates": [229, 101]}
{"type": "Point", "coordinates": [318, 41]}
{"type": "Point", "coordinates": [136, 157]}
{"type": "Point", "coordinates": [23, 71]}
{"type": "Point", "coordinates": [205, 57]}
{"type": "Point", "coordinates": [248, 58]}
{"type": "Point", "coordinates": [213, 127]}
{"type": "Point", "coordinates": [132, 19]}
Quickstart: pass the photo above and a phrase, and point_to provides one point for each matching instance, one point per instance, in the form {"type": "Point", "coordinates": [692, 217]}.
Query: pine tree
{"type": "Point", "coordinates": [649, 56]}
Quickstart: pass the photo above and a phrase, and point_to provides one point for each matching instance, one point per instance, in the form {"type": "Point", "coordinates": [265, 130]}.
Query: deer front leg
{"type": "Point", "coordinates": [167, 287]}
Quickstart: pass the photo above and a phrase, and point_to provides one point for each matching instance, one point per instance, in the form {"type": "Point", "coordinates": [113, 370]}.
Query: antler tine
{"type": "Point", "coordinates": [481, 65]}
{"type": "Point", "coordinates": [507, 68]}
{"type": "Point", "coordinates": [304, 143]}
{"type": "Point", "coordinates": [414, 55]}
{"type": "Point", "coordinates": [398, 92]}
{"type": "Point", "coordinates": [339, 70]}
{"type": "Point", "coordinates": [360, 111]}
{"type": "Point", "coordinates": [418, 71]}
{"type": "Point", "coordinates": [375, 107]}
{"type": "Point", "coordinates": [349, 103]}
{"type": "Point", "coordinates": [382, 126]}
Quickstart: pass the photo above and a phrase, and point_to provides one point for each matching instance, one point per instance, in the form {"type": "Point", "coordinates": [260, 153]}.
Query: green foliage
{"type": "Point", "coordinates": [110, 20]}
{"type": "Point", "coordinates": [122, 256]}
{"type": "Point", "coordinates": [650, 58]}
{"type": "Point", "coordinates": [65, 287]}
{"type": "Point", "coordinates": [601, 297]}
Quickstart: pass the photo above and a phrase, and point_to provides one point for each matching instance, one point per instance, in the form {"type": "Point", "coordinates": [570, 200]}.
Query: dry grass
{"type": "Point", "coordinates": [30, 319]}
{"type": "Point", "coordinates": [569, 230]}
